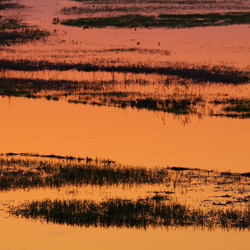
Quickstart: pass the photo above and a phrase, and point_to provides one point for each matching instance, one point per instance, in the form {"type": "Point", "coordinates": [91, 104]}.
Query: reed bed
{"type": "Point", "coordinates": [13, 31]}
{"type": "Point", "coordinates": [26, 170]}
{"type": "Point", "coordinates": [162, 20]}
{"type": "Point", "coordinates": [141, 213]}
{"type": "Point", "coordinates": [182, 98]}
{"type": "Point", "coordinates": [7, 4]}
{"type": "Point", "coordinates": [23, 171]}
{"type": "Point", "coordinates": [202, 74]}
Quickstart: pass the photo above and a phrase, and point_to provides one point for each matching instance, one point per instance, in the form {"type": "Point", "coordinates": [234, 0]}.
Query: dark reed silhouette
{"type": "Point", "coordinates": [141, 213]}
{"type": "Point", "coordinates": [162, 20]}
{"type": "Point", "coordinates": [202, 74]}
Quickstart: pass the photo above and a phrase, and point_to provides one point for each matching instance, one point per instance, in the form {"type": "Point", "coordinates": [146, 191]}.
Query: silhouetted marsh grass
{"type": "Point", "coordinates": [235, 108]}
{"type": "Point", "coordinates": [141, 213]}
{"type": "Point", "coordinates": [162, 20]}
{"type": "Point", "coordinates": [27, 170]}
{"type": "Point", "coordinates": [86, 93]}
{"type": "Point", "coordinates": [14, 31]}
{"type": "Point", "coordinates": [52, 156]}
{"type": "Point", "coordinates": [174, 97]}
{"type": "Point", "coordinates": [58, 171]}
{"type": "Point", "coordinates": [194, 187]}
{"type": "Point", "coordinates": [197, 74]}
{"type": "Point", "coordinates": [4, 5]}
{"type": "Point", "coordinates": [87, 10]}
{"type": "Point", "coordinates": [9, 24]}
{"type": "Point", "coordinates": [14, 92]}
{"type": "Point", "coordinates": [124, 100]}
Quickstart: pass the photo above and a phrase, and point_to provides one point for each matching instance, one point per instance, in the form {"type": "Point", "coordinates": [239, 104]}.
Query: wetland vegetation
{"type": "Point", "coordinates": [130, 72]}
{"type": "Point", "coordinates": [164, 208]}
{"type": "Point", "coordinates": [29, 171]}
{"type": "Point", "coordinates": [198, 74]}
{"type": "Point", "coordinates": [235, 108]}
{"type": "Point", "coordinates": [13, 31]}
{"type": "Point", "coordinates": [114, 7]}
{"type": "Point", "coordinates": [173, 95]}
{"type": "Point", "coordinates": [162, 20]}
{"type": "Point", "coordinates": [8, 4]}
{"type": "Point", "coordinates": [56, 171]}
{"type": "Point", "coordinates": [142, 213]}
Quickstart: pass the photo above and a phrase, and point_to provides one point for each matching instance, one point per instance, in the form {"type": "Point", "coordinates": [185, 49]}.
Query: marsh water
{"type": "Point", "coordinates": [124, 124]}
{"type": "Point", "coordinates": [129, 136]}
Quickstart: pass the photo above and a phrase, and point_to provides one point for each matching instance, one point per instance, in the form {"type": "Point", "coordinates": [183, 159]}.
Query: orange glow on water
{"type": "Point", "coordinates": [127, 136]}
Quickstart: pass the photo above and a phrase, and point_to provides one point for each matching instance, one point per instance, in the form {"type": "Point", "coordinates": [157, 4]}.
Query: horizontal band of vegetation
{"type": "Point", "coordinates": [19, 173]}
{"type": "Point", "coordinates": [235, 108]}
{"type": "Point", "coordinates": [163, 20]}
{"type": "Point", "coordinates": [233, 115]}
{"type": "Point", "coordinates": [33, 88]}
{"type": "Point", "coordinates": [25, 170]}
{"type": "Point", "coordinates": [97, 93]}
{"type": "Point", "coordinates": [119, 213]}
{"type": "Point", "coordinates": [175, 2]}
{"type": "Point", "coordinates": [171, 105]}
{"type": "Point", "coordinates": [10, 24]}
{"type": "Point", "coordinates": [77, 93]}
{"type": "Point", "coordinates": [52, 156]}
{"type": "Point", "coordinates": [199, 74]}
{"type": "Point", "coordinates": [13, 31]}
{"type": "Point", "coordinates": [87, 10]}
{"type": "Point", "coordinates": [7, 5]}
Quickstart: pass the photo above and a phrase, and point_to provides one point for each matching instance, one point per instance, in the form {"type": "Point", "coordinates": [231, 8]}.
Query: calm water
{"type": "Point", "coordinates": [127, 136]}
{"type": "Point", "coordinates": [41, 235]}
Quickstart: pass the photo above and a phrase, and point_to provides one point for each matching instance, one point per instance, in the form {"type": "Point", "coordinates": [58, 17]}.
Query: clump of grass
{"type": "Point", "coordinates": [5, 4]}
{"type": "Point", "coordinates": [21, 36]}
{"type": "Point", "coordinates": [124, 100]}
{"type": "Point", "coordinates": [235, 108]}
{"type": "Point", "coordinates": [14, 31]}
{"type": "Point", "coordinates": [10, 24]}
{"type": "Point", "coordinates": [162, 20]}
{"type": "Point", "coordinates": [183, 106]}
{"type": "Point", "coordinates": [239, 108]}
{"type": "Point", "coordinates": [142, 213]}
{"type": "Point", "coordinates": [14, 92]}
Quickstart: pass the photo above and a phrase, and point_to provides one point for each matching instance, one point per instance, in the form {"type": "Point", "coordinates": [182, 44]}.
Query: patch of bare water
{"type": "Point", "coordinates": [128, 136]}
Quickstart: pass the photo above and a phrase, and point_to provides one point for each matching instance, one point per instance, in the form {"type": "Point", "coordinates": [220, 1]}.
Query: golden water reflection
{"type": "Point", "coordinates": [30, 235]}
{"type": "Point", "coordinates": [127, 136]}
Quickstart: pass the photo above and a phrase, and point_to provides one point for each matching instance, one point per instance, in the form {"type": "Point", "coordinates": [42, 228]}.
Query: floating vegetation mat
{"type": "Point", "coordinates": [142, 213]}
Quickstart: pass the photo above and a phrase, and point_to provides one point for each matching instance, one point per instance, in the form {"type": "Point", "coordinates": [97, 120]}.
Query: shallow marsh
{"type": "Point", "coordinates": [165, 95]}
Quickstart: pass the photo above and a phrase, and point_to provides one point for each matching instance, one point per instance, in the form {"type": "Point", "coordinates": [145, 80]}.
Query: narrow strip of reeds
{"type": "Point", "coordinates": [142, 213]}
